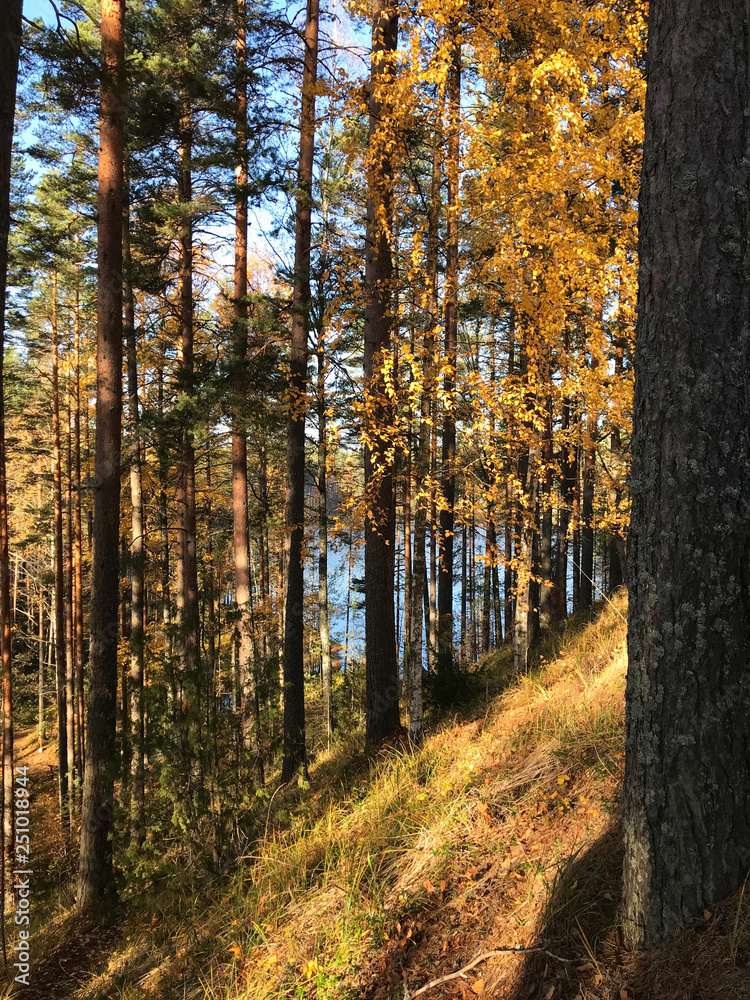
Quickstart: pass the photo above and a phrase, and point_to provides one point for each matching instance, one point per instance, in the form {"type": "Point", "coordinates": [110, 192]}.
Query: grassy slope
{"type": "Point", "coordinates": [500, 832]}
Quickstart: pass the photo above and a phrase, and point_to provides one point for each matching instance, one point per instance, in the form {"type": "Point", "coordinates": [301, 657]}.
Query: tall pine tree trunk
{"type": "Point", "coordinates": [10, 45]}
{"type": "Point", "coordinates": [295, 753]}
{"type": "Point", "coordinates": [186, 563]}
{"type": "Point", "coordinates": [241, 531]}
{"type": "Point", "coordinates": [586, 593]}
{"type": "Point", "coordinates": [448, 469]}
{"type": "Point", "coordinates": [59, 569]}
{"type": "Point", "coordinates": [413, 655]}
{"type": "Point", "coordinates": [96, 887]}
{"type": "Point", "coordinates": [69, 598]}
{"type": "Point", "coordinates": [382, 691]}
{"type": "Point", "coordinates": [78, 551]}
{"type": "Point", "coordinates": [325, 627]}
{"type": "Point", "coordinates": [137, 561]}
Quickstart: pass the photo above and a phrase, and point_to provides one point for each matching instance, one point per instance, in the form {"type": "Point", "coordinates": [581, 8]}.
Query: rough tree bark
{"type": "Point", "coordinates": [381, 685]}
{"type": "Point", "coordinates": [96, 886]}
{"type": "Point", "coordinates": [295, 753]}
{"type": "Point", "coordinates": [686, 799]}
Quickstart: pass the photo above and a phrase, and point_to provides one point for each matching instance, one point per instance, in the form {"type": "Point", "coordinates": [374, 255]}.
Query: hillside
{"type": "Point", "coordinates": [386, 879]}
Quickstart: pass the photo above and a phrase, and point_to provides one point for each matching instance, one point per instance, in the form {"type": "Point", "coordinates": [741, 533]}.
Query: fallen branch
{"type": "Point", "coordinates": [461, 974]}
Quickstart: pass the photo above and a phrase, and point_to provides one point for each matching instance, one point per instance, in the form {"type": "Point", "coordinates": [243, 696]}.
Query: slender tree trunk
{"type": "Point", "coordinates": [382, 690]}
{"type": "Point", "coordinates": [137, 560]}
{"type": "Point", "coordinates": [407, 481]}
{"type": "Point", "coordinates": [617, 559]}
{"type": "Point", "coordinates": [295, 752]}
{"type": "Point", "coordinates": [448, 469]}
{"type": "Point", "coordinates": [524, 557]}
{"type": "Point", "coordinates": [62, 725]}
{"type": "Point", "coordinates": [545, 534]}
{"type": "Point", "coordinates": [78, 550]}
{"type": "Point", "coordinates": [186, 563]}
{"type": "Point", "coordinates": [40, 691]}
{"type": "Point", "coordinates": [241, 530]}
{"type": "Point", "coordinates": [96, 887]}
{"type": "Point", "coordinates": [686, 799]}
{"type": "Point", "coordinates": [510, 504]}
{"type": "Point", "coordinates": [489, 560]}
{"type": "Point", "coordinates": [69, 602]}
{"type": "Point", "coordinates": [567, 484]}
{"type": "Point", "coordinates": [10, 45]}
{"type": "Point", "coordinates": [325, 628]}
{"type": "Point", "coordinates": [413, 656]}
{"type": "Point", "coordinates": [575, 509]}
{"type": "Point", "coordinates": [432, 616]}
{"type": "Point", "coordinates": [586, 594]}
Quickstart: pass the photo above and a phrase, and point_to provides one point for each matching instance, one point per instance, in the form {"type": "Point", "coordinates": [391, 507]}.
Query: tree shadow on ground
{"type": "Point", "coordinates": [82, 950]}
{"type": "Point", "coordinates": [582, 923]}
{"type": "Point", "coordinates": [579, 923]}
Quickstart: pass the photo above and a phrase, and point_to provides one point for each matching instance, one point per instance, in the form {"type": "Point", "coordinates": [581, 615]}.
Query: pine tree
{"type": "Point", "coordinates": [96, 888]}
{"type": "Point", "coordinates": [686, 799]}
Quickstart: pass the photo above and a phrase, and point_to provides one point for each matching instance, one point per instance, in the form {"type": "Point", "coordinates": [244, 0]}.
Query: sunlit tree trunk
{"type": "Point", "coordinates": [59, 568]}
{"type": "Point", "coordinates": [545, 534]}
{"type": "Point", "coordinates": [617, 551]}
{"type": "Point", "coordinates": [137, 560]}
{"type": "Point", "coordinates": [241, 532]}
{"type": "Point", "coordinates": [78, 552]}
{"type": "Point", "coordinates": [10, 45]}
{"type": "Point", "coordinates": [413, 656]}
{"type": "Point", "coordinates": [526, 529]}
{"type": "Point", "coordinates": [69, 593]}
{"type": "Point", "coordinates": [96, 886]}
{"type": "Point", "coordinates": [186, 568]}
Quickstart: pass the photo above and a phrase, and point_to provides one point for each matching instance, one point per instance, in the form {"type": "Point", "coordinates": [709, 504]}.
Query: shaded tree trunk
{"type": "Point", "coordinates": [325, 628]}
{"type": "Point", "coordinates": [586, 593]}
{"type": "Point", "coordinates": [448, 469]}
{"type": "Point", "coordinates": [295, 751]}
{"type": "Point", "coordinates": [382, 690]}
{"type": "Point", "coordinates": [686, 798]}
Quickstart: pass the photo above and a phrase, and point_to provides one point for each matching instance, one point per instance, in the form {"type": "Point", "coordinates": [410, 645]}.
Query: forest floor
{"type": "Point", "coordinates": [486, 863]}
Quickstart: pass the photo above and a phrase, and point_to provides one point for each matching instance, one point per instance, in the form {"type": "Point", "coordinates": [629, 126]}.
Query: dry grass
{"type": "Point", "coordinates": [497, 832]}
